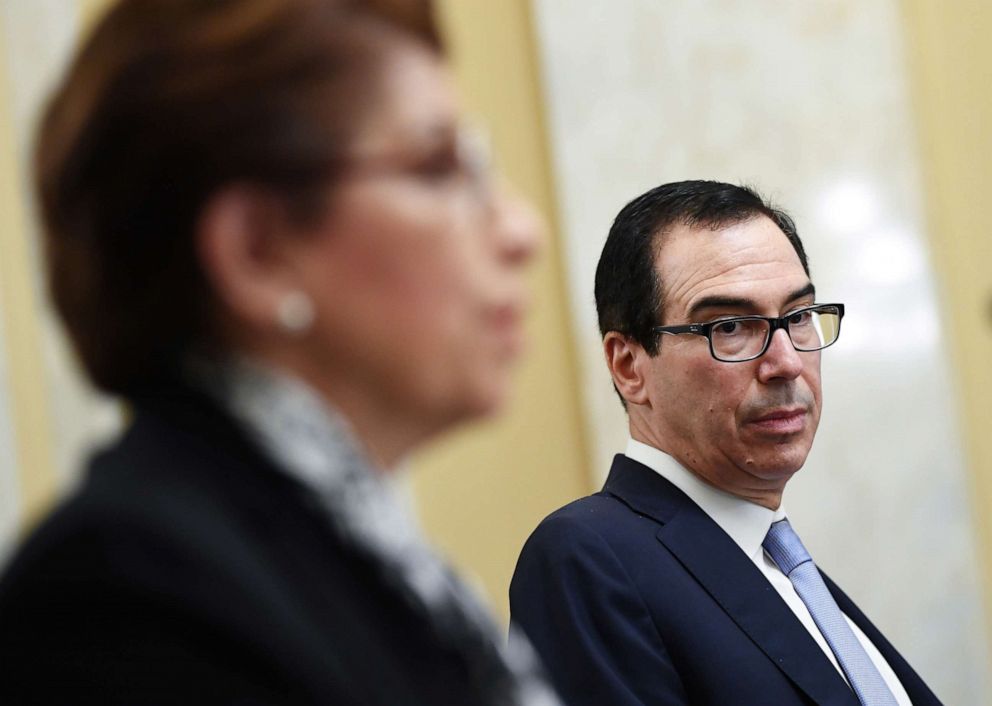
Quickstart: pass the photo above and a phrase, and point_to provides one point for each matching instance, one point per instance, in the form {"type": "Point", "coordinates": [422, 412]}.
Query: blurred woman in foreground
{"type": "Point", "coordinates": [266, 230]}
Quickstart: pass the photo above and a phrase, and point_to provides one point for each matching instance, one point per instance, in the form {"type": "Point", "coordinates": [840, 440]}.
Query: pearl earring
{"type": "Point", "coordinates": [295, 313]}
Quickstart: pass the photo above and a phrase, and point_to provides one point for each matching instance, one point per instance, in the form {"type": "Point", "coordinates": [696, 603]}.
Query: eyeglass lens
{"type": "Point", "coordinates": [744, 338]}
{"type": "Point", "coordinates": [475, 156]}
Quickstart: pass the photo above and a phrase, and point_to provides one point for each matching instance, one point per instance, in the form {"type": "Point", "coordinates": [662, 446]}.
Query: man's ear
{"type": "Point", "coordinates": [626, 360]}
{"type": "Point", "coordinates": [239, 243]}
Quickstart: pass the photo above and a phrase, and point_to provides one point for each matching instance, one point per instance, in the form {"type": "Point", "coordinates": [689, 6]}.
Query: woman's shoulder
{"type": "Point", "coordinates": [176, 542]}
{"type": "Point", "coordinates": [180, 492]}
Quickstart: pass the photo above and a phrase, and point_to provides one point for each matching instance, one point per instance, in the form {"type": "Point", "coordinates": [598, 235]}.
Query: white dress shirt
{"type": "Point", "coordinates": [747, 524]}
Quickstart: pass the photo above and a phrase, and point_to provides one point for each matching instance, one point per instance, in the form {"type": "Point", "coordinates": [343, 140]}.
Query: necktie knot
{"type": "Point", "coordinates": [784, 547]}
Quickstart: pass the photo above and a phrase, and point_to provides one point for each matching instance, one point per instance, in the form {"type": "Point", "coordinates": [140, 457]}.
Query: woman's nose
{"type": "Point", "coordinates": [519, 229]}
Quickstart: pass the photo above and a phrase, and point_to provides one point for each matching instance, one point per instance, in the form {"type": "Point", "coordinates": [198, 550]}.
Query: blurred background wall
{"type": "Point", "coordinates": [54, 416]}
{"type": "Point", "coordinates": [868, 121]}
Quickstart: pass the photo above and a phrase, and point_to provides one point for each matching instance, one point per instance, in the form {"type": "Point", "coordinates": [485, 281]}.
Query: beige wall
{"type": "Point", "coordinates": [90, 10]}
{"type": "Point", "coordinates": [951, 57]}
{"type": "Point", "coordinates": [483, 492]}
{"type": "Point", "coordinates": [20, 309]}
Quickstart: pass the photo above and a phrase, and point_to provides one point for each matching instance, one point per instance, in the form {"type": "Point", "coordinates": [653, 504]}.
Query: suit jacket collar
{"type": "Point", "coordinates": [734, 582]}
{"type": "Point", "coordinates": [746, 522]}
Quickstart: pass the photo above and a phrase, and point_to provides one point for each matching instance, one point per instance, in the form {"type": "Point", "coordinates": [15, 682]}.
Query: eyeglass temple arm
{"type": "Point", "coordinates": [684, 328]}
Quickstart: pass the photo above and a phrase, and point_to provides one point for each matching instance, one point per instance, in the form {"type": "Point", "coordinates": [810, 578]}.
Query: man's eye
{"type": "Point", "coordinates": [727, 328]}
{"type": "Point", "coordinates": [800, 318]}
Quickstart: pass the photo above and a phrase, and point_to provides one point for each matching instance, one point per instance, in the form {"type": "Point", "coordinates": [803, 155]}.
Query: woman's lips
{"type": "Point", "coordinates": [507, 323]}
{"type": "Point", "coordinates": [780, 421]}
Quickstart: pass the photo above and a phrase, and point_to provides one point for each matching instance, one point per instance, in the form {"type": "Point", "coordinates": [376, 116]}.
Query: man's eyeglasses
{"type": "Point", "coordinates": [741, 338]}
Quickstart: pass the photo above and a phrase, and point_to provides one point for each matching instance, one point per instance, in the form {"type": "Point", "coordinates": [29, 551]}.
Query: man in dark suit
{"type": "Point", "coordinates": [682, 581]}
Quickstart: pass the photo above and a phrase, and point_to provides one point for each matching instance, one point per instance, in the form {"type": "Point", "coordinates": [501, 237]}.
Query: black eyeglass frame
{"type": "Point", "coordinates": [774, 324]}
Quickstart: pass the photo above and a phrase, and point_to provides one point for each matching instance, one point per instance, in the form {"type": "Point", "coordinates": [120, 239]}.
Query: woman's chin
{"type": "Point", "coordinates": [479, 402]}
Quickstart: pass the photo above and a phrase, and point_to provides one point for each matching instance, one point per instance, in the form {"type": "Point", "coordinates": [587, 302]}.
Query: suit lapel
{"type": "Point", "coordinates": [730, 577]}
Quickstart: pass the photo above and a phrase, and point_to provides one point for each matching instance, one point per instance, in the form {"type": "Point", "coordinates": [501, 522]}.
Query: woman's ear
{"type": "Point", "coordinates": [624, 358]}
{"type": "Point", "coordinates": [240, 241]}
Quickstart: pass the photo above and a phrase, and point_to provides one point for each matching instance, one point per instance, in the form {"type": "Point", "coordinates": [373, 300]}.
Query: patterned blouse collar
{"type": "Point", "coordinates": [308, 439]}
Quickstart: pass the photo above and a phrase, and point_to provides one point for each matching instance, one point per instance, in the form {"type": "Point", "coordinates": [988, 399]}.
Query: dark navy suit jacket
{"type": "Point", "coordinates": [635, 596]}
{"type": "Point", "coordinates": [188, 570]}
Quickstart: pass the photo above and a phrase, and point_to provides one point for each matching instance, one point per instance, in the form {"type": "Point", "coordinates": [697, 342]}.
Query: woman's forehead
{"type": "Point", "coordinates": [414, 98]}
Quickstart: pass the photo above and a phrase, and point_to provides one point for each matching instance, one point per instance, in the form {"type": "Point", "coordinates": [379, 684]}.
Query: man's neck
{"type": "Point", "coordinates": [728, 478]}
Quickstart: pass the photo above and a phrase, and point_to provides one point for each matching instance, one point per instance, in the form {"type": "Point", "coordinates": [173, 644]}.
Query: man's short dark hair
{"type": "Point", "coordinates": [628, 291]}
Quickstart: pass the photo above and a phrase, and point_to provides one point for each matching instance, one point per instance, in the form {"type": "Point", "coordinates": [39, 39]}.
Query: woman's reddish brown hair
{"type": "Point", "coordinates": [167, 102]}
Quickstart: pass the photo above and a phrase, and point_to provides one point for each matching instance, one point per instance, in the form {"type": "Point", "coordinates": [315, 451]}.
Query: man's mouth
{"type": "Point", "coordinates": [780, 421]}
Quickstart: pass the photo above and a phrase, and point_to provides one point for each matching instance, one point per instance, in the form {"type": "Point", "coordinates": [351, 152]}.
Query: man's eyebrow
{"type": "Point", "coordinates": [718, 302]}
{"type": "Point", "coordinates": [723, 302]}
{"type": "Point", "coordinates": [808, 291]}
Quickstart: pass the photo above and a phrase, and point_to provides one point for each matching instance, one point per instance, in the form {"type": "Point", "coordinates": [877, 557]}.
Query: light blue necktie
{"type": "Point", "coordinates": [786, 549]}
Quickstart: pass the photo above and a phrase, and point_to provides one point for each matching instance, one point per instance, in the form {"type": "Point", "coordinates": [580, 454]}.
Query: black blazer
{"type": "Point", "coordinates": [188, 570]}
{"type": "Point", "coordinates": [635, 596]}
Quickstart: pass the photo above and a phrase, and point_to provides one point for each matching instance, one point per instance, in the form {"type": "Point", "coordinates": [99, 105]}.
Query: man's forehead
{"type": "Point", "coordinates": [750, 261]}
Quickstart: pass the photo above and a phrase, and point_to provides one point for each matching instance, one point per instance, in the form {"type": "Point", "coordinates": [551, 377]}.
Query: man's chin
{"type": "Point", "coordinates": [776, 467]}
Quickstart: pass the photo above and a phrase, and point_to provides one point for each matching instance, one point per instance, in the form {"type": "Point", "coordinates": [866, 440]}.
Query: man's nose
{"type": "Point", "coordinates": [781, 360]}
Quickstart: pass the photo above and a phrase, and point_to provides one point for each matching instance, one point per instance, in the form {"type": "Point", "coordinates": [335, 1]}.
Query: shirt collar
{"type": "Point", "coordinates": [745, 522]}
